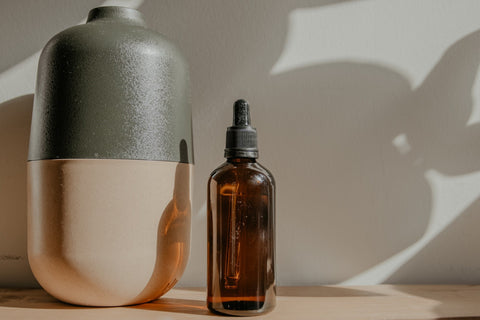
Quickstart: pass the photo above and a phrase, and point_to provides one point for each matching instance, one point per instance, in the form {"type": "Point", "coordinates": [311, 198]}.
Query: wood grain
{"type": "Point", "coordinates": [324, 302]}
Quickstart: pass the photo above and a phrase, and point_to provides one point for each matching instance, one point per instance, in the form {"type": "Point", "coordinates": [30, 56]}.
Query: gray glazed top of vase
{"type": "Point", "coordinates": [111, 89]}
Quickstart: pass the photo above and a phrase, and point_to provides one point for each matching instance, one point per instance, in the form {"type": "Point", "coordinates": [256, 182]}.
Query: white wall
{"type": "Point", "coordinates": [368, 114]}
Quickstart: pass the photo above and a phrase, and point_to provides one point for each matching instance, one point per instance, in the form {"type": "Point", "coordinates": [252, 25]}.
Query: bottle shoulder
{"type": "Point", "coordinates": [220, 170]}
{"type": "Point", "coordinates": [268, 173]}
{"type": "Point", "coordinates": [252, 173]}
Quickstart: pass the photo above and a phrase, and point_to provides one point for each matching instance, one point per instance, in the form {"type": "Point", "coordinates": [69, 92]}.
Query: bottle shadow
{"type": "Point", "coordinates": [188, 306]}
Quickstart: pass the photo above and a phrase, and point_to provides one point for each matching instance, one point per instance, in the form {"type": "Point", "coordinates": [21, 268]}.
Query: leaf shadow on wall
{"type": "Point", "coordinates": [455, 151]}
{"type": "Point", "coordinates": [348, 198]}
{"type": "Point", "coordinates": [439, 126]}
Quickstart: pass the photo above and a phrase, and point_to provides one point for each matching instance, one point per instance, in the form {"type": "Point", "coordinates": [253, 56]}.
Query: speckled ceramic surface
{"type": "Point", "coordinates": [111, 89]}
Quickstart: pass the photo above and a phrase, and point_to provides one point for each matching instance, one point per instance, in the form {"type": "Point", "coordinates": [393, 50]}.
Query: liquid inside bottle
{"type": "Point", "coordinates": [241, 238]}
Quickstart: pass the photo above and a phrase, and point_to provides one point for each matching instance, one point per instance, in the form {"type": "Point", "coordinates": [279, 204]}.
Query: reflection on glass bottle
{"type": "Point", "coordinates": [228, 201]}
{"type": "Point", "coordinates": [241, 226]}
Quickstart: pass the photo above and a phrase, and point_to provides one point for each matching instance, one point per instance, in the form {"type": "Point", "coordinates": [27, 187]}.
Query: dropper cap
{"type": "Point", "coordinates": [241, 139]}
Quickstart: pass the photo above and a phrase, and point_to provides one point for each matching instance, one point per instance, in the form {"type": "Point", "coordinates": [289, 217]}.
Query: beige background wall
{"type": "Point", "coordinates": [368, 115]}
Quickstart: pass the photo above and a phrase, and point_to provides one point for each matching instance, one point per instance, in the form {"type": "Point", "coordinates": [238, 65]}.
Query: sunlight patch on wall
{"type": "Point", "coordinates": [378, 32]}
{"type": "Point", "coordinates": [451, 195]}
{"type": "Point", "coordinates": [201, 213]}
{"type": "Point", "coordinates": [400, 142]}
{"type": "Point", "coordinates": [475, 115]}
{"type": "Point", "coordinates": [19, 79]}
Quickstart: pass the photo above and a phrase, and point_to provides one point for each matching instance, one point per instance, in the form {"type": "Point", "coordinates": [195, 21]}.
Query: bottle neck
{"type": "Point", "coordinates": [241, 160]}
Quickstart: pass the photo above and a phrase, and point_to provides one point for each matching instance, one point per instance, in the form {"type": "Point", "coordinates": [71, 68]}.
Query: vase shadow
{"type": "Point", "coordinates": [32, 299]}
{"type": "Point", "coordinates": [15, 118]}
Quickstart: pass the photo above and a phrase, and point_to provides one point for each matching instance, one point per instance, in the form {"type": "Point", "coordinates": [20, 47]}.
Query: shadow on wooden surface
{"type": "Point", "coordinates": [187, 306]}
{"type": "Point", "coordinates": [448, 298]}
{"type": "Point", "coordinates": [32, 299]}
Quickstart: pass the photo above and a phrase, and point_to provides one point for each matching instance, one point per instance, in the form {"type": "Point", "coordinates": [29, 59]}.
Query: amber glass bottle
{"type": "Point", "coordinates": [241, 226]}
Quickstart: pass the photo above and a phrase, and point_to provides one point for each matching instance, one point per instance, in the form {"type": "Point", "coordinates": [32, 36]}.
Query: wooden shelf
{"type": "Point", "coordinates": [324, 302]}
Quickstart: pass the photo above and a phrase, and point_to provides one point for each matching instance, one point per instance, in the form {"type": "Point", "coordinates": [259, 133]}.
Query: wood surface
{"type": "Point", "coordinates": [321, 302]}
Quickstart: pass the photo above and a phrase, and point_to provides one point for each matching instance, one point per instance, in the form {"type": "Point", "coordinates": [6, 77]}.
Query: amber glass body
{"type": "Point", "coordinates": [241, 238]}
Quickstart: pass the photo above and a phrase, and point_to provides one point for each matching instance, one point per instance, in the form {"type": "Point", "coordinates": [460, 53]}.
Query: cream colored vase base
{"type": "Point", "coordinates": [108, 232]}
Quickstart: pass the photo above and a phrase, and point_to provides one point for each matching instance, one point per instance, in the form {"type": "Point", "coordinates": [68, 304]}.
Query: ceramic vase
{"type": "Point", "coordinates": [110, 163]}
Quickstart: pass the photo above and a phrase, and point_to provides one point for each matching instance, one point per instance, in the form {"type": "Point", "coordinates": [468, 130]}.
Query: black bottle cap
{"type": "Point", "coordinates": [241, 139]}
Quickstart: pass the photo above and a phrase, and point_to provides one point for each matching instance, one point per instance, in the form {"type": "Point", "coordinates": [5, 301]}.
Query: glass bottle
{"type": "Point", "coordinates": [241, 226]}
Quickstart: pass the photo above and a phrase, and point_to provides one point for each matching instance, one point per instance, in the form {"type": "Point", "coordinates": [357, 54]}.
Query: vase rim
{"type": "Point", "coordinates": [116, 13]}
